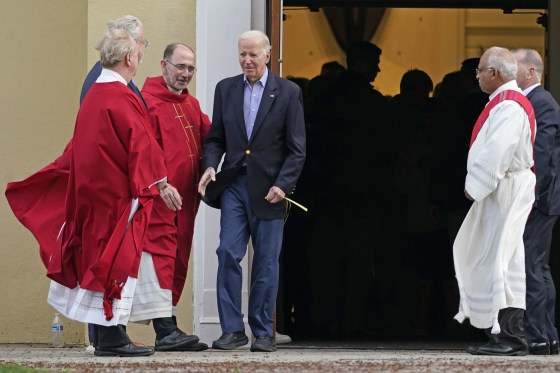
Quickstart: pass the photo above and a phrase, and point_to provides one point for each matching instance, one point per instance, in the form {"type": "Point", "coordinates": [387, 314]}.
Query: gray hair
{"type": "Point", "coordinates": [503, 61]}
{"type": "Point", "coordinates": [130, 24]}
{"type": "Point", "coordinates": [115, 46]}
{"type": "Point", "coordinates": [259, 35]}
{"type": "Point", "coordinates": [531, 58]}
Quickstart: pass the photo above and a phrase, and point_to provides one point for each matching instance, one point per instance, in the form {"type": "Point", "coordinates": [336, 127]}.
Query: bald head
{"type": "Point", "coordinates": [530, 67]}
{"type": "Point", "coordinates": [503, 61]}
{"type": "Point", "coordinates": [497, 66]}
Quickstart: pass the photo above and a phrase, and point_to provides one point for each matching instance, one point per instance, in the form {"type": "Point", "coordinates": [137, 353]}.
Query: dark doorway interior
{"type": "Point", "coordinates": [378, 276]}
{"type": "Point", "coordinates": [372, 258]}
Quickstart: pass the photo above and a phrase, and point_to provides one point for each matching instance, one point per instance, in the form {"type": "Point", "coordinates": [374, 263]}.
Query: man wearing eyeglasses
{"type": "Point", "coordinates": [488, 250]}
{"type": "Point", "coordinates": [180, 128]}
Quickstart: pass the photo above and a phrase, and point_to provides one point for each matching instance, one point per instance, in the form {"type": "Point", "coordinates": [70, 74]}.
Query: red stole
{"type": "Point", "coordinates": [505, 95]}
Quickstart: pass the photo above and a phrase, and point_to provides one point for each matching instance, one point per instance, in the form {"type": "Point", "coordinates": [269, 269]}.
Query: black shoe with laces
{"type": "Point", "coordinates": [127, 350]}
{"type": "Point", "coordinates": [175, 340]}
{"type": "Point", "coordinates": [230, 341]}
{"type": "Point", "coordinates": [263, 344]}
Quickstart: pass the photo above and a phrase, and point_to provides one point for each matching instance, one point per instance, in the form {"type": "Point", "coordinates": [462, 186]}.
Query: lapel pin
{"type": "Point", "coordinates": [271, 96]}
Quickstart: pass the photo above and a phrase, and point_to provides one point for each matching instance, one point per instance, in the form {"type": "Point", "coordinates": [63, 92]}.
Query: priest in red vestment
{"type": "Point", "coordinates": [115, 166]}
{"type": "Point", "coordinates": [180, 128]}
{"type": "Point", "coordinates": [39, 203]}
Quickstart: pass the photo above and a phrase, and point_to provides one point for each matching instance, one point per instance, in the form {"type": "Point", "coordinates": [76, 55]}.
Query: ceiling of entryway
{"type": "Point", "coordinates": [506, 5]}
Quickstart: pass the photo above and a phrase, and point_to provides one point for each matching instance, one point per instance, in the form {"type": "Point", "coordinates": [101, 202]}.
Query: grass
{"type": "Point", "coordinates": [4, 368]}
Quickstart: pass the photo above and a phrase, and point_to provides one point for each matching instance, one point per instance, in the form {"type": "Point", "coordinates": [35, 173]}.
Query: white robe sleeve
{"type": "Point", "coordinates": [493, 150]}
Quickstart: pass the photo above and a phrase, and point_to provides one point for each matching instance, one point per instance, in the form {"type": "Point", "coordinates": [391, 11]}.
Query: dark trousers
{"type": "Point", "coordinates": [511, 325]}
{"type": "Point", "coordinates": [163, 326]}
{"type": "Point", "coordinates": [110, 336]}
{"type": "Point", "coordinates": [541, 293]}
{"type": "Point", "coordinates": [238, 223]}
{"type": "Point", "coordinates": [91, 333]}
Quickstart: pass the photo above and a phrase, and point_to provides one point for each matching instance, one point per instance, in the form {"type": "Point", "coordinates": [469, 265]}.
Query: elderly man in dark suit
{"type": "Point", "coordinates": [540, 330]}
{"type": "Point", "coordinates": [258, 123]}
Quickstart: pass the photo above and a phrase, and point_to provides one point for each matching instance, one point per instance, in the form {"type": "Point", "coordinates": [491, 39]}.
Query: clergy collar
{"type": "Point", "coordinates": [511, 85]}
{"type": "Point", "coordinates": [108, 76]}
{"type": "Point", "coordinates": [172, 90]}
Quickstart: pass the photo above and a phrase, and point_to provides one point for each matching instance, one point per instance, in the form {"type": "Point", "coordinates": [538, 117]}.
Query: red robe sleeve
{"type": "Point", "coordinates": [38, 202]}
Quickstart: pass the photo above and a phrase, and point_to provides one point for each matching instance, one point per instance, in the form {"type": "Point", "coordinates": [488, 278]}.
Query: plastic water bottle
{"type": "Point", "coordinates": [57, 331]}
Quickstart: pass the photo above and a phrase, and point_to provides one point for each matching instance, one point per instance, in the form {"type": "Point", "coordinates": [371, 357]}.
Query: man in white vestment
{"type": "Point", "coordinates": [488, 250]}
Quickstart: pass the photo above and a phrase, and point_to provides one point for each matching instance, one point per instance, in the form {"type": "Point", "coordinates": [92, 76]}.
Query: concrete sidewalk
{"type": "Point", "coordinates": [286, 359]}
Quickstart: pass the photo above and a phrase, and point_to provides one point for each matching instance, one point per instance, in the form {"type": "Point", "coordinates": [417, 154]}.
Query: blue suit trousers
{"type": "Point", "coordinates": [541, 292]}
{"type": "Point", "coordinates": [238, 223]}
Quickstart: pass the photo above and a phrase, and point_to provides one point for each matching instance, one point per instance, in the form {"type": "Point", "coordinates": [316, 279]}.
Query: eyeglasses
{"type": "Point", "coordinates": [145, 42]}
{"type": "Point", "coordinates": [479, 70]}
{"type": "Point", "coordinates": [181, 67]}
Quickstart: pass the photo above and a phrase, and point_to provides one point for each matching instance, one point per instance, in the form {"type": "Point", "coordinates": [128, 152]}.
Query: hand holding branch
{"type": "Point", "coordinates": [275, 195]}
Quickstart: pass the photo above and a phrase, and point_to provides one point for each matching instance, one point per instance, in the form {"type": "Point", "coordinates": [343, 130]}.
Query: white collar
{"type": "Point", "coordinates": [511, 85]}
{"type": "Point", "coordinates": [528, 90]}
{"type": "Point", "coordinates": [108, 76]}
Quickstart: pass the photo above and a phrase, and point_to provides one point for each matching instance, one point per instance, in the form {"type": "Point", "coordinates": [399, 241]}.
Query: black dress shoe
{"type": "Point", "coordinates": [554, 347]}
{"type": "Point", "coordinates": [263, 344]}
{"type": "Point", "coordinates": [195, 347]}
{"type": "Point", "coordinates": [175, 340]}
{"type": "Point", "coordinates": [128, 350]}
{"type": "Point", "coordinates": [502, 350]}
{"type": "Point", "coordinates": [230, 341]}
{"type": "Point", "coordinates": [473, 350]}
{"type": "Point", "coordinates": [539, 348]}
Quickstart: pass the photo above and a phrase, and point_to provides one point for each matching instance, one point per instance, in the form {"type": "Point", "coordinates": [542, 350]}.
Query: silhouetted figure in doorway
{"type": "Point", "coordinates": [349, 153]}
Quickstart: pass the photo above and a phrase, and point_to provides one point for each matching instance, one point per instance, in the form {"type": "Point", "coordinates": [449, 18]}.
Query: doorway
{"type": "Point", "coordinates": [380, 278]}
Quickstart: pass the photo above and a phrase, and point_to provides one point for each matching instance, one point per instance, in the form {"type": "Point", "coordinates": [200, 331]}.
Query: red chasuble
{"type": "Point", "coordinates": [38, 202]}
{"type": "Point", "coordinates": [114, 159]}
{"type": "Point", "coordinates": [180, 128]}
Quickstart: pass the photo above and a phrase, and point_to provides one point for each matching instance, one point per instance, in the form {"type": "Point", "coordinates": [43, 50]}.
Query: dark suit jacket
{"type": "Point", "coordinates": [547, 150]}
{"type": "Point", "coordinates": [275, 154]}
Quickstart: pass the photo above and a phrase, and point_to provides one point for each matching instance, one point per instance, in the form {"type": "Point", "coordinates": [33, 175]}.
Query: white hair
{"type": "Point", "coordinates": [502, 60]}
{"type": "Point", "coordinates": [130, 24]}
{"type": "Point", "coordinates": [258, 35]}
{"type": "Point", "coordinates": [115, 46]}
